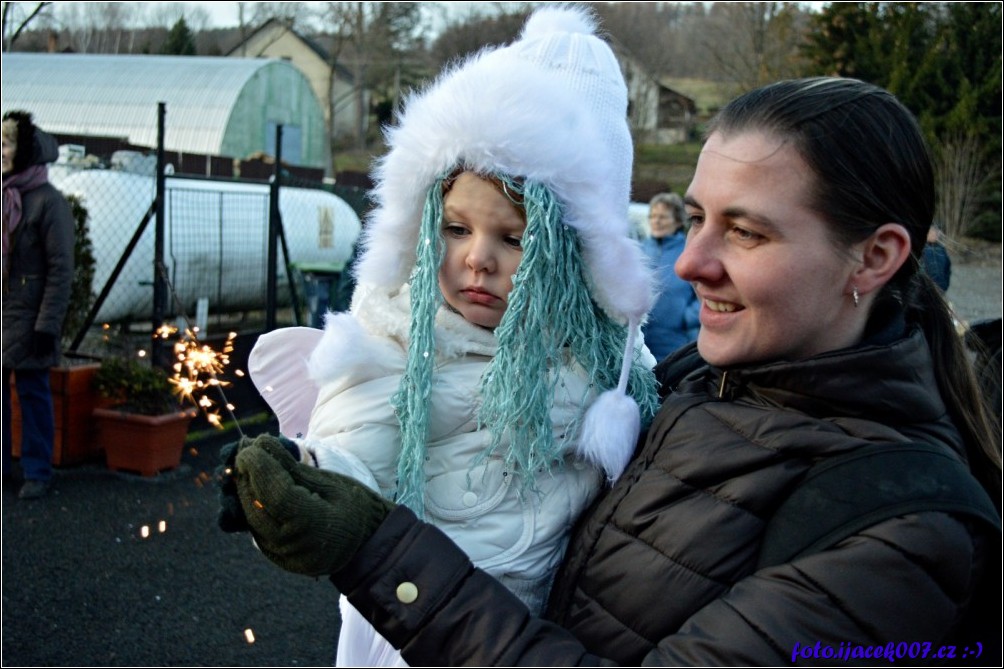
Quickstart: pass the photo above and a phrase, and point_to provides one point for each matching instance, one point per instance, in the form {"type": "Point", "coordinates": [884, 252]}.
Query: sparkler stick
{"type": "Point", "coordinates": [194, 362]}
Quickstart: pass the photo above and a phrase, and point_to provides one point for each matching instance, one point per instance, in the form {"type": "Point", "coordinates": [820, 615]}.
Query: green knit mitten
{"type": "Point", "coordinates": [306, 520]}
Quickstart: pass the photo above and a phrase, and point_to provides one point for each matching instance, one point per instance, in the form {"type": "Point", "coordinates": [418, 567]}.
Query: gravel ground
{"type": "Point", "coordinates": [83, 587]}
{"type": "Point", "coordinates": [975, 290]}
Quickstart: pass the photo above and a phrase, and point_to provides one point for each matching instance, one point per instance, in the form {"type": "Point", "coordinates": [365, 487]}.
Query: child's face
{"type": "Point", "coordinates": [483, 232]}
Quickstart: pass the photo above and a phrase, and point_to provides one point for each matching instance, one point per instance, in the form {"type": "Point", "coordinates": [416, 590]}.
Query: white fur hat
{"type": "Point", "coordinates": [551, 107]}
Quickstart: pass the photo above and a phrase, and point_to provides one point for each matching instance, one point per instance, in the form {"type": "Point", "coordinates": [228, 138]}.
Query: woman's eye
{"type": "Point", "coordinates": [515, 242]}
{"type": "Point", "coordinates": [744, 235]}
{"type": "Point", "coordinates": [694, 219]}
{"type": "Point", "coordinates": [454, 230]}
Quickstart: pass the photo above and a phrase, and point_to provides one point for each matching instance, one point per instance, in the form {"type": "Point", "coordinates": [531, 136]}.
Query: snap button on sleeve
{"type": "Point", "coordinates": [470, 499]}
{"type": "Point", "coordinates": [407, 592]}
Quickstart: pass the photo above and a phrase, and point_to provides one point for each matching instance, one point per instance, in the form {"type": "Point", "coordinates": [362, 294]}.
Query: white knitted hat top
{"type": "Point", "coordinates": [550, 107]}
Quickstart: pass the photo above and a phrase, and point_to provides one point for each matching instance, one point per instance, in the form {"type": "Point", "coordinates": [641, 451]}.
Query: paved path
{"type": "Point", "coordinates": [83, 587]}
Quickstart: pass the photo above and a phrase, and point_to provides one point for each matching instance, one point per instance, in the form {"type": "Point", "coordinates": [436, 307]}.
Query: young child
{"type": "Point", "coordinates": [499, 294]}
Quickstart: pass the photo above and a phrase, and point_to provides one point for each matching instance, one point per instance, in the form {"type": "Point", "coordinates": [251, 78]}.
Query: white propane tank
{"type": "Point", "coordinates": [215, 245]}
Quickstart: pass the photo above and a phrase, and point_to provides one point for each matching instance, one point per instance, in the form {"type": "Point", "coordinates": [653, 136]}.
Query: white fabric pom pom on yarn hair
{"type": "Point", "coordinates": [612, 424]}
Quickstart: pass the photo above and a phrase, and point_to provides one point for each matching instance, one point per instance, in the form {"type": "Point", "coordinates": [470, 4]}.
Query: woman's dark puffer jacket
{"type": "Point", "coordinates": [662, 569]}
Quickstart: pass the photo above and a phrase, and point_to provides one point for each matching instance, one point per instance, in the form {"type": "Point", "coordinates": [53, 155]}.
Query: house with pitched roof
{"type": "Point", "coordinates": [345, 107]}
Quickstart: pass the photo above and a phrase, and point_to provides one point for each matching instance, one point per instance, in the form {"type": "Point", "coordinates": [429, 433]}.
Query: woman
{"type": "Point", "coordinates": [674, 318]}
{"type": "Point", "coordinates": [819, 335]}
{"type": "Point", "coordinates": [38, 241]}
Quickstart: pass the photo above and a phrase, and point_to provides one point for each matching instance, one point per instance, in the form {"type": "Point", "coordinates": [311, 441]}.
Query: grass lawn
{"type": "Point", "coordinates": [709, 95]}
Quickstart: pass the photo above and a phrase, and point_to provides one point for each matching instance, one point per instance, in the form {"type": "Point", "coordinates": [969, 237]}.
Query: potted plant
{"type": "Point", "coordinates": [144, 429]}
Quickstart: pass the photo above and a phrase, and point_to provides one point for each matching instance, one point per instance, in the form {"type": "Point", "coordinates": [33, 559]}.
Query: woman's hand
{"type": "Point", "coordinates": [306, 520]}
{"type": "Point", "coordinates": [231, 516]}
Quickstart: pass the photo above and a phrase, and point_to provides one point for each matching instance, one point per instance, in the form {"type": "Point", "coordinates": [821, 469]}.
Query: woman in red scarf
{"type": "Point", "coordinates": [38, 239]}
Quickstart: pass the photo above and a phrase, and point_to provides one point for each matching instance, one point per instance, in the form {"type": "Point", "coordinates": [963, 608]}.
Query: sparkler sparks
{"type": "Point", "coordinates": [145, 531]}
{"type": "Point", "coordinates": [197, 369]}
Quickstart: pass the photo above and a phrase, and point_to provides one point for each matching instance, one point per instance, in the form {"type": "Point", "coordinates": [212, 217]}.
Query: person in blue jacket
{"type": "Point", "coordinates": [674, 319]}
{"type": "Point", "coordinates": [936, 261]}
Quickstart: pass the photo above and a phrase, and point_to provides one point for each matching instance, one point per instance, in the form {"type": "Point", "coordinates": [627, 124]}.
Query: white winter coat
{"type": "Point", "coordinates": [358, 366]}
{"type": "Point", "coordinates": [518, 536]}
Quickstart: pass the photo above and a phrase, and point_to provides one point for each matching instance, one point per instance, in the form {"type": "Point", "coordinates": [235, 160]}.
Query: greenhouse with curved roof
{"type": "Point", "coordinates": [213, 106]}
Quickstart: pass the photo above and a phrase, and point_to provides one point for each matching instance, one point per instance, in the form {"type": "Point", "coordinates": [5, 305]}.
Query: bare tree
{"type": "Point", "coordinates": [291, 14]}
{"type": "Point", "coordinates": [78, 26]}
{"type": "Point", "coordinates": [647, 29]}
{"type": "Point", "coordinates": [753, 43]}
{"type": "Point", "coordinates": [16, 19]}
{"type": "Point", "coordinates": [164, 14]}
{"type": "Point", "coordinates": [369, 40]}
{"type": "Point", "coordinates": [99, 27]}
{"type": "Point", "coordinates": [481, 25]}
{"type": "Point", "coordinates": [110, 22]}
{"type": "Point", "coordinates": [958, 181]}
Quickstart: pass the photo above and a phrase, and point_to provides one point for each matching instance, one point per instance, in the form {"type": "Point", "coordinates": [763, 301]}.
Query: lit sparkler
{"type": "Point", "coordinates": [197, 366]}
{"type": "Point", "coordinates": [197, 369]}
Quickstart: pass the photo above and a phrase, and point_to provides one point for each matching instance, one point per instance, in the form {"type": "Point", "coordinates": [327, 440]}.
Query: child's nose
{"type": "Point", "coordinates": [480, 257]}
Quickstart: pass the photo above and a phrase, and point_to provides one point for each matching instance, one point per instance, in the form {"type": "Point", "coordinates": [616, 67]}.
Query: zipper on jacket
{"type": "Point", "coordinates": [721, 386]}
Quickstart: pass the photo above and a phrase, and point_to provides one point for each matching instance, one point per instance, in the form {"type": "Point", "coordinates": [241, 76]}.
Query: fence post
{"type": "Point", "coordinates": [157, 349]}
{"type": "Point", "coordinates": [273, 236]}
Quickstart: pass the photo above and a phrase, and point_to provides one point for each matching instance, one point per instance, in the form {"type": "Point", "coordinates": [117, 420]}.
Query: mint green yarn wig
{"type": "Point", "coordinates": [551, 322]}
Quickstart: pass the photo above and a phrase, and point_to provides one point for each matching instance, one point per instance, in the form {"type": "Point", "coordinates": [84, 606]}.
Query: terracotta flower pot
{"type": "Point", "coordinates": [73, 403]}
{"type": "Point", "coordinates": [143, 444]}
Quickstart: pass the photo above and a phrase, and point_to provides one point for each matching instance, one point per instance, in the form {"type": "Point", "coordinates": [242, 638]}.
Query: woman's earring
{"type": "Point", "coordinates": [854, 292]}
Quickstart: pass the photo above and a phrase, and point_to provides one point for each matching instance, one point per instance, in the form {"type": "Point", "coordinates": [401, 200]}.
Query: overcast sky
{"type": "Point", "coordinates": [224, 14]}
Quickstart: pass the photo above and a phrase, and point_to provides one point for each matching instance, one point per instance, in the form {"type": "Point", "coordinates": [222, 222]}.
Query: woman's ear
{"type": "Point", "coordinates": [882, 254]}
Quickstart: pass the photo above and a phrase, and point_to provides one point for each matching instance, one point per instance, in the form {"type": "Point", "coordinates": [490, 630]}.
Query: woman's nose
{"type": "Point", "coordinates": [698, 259]}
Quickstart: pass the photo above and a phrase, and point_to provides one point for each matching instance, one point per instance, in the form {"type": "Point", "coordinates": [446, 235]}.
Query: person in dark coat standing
{"type": "Point", "coordinates": [38, 240]}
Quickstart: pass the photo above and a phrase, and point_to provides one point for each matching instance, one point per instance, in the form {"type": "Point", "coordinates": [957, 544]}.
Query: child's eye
{"type": "Point", "coordinates": [515, 242]}
{"type": "Point", "coordinates": [454, 229]}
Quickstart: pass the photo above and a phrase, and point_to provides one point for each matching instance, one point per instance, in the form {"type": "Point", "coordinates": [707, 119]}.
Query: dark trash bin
{"type": "Point", "coordinates": [319, 288]}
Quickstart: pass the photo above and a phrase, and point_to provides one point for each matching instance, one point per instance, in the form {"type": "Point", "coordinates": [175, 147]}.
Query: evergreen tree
{"type": "Point", "coordinates": [845, 42]}
{"type": "Point", "coordinates": [180, 41]}
{"type": "Point", "coordinates": [942, 60]}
